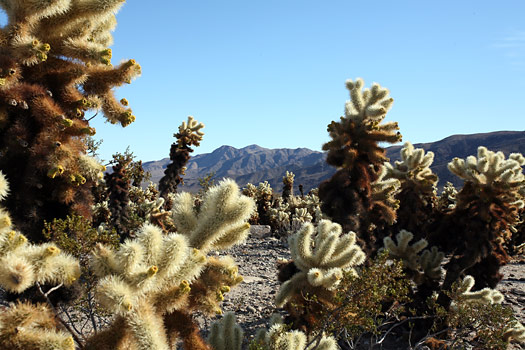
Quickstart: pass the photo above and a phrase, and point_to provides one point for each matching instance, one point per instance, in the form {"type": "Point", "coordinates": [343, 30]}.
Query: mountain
{"type": "Point", "coordinates": [257, 164]}
{"type": "Point", "coordinates": [462, 146]}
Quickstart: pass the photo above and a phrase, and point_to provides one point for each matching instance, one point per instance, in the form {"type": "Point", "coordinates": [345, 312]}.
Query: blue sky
{"type": "Point", "coordinates": [272, 72]}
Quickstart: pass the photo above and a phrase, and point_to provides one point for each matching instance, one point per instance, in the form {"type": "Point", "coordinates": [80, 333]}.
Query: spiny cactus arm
{"type": "Point", "coordinates": [29, 264]}
{"type": "Point", "coordinates": [103, 261]}
{"type": "Point", "coordinates": [300, 247]}
{"type": "Point", "coordinates": [4, 191]}
{"type": "Point", "coordinates": [289, 288]}
{"type": "Point", "coordinates": [26, 326]}
{"type": "Point", "coordinates": [146, 327]}
{"type": "Point", "coordinates": [224, 210]}
{"type": "Point", "coordinates": [234, 235]}
{"type": "Point", "coordinates": [352, 256]}
{"type": "Point", "coordinates": [114, 111]}
{"type": "Point", "coordinates": [226, 334]}
{"type": "Point", "coordinates": [183, 213]}
{"type": "Point", "coordinates": [414, 166]}
{"type": "Point", "coordinates": [91, 168]}
{"type": "Point", "coordinates": [490, 168]}
{"type": "Point", "coordinates": [329, 278]}
{"type": "Point", "coordinates": [217, 278]}
{"type": "Point", "coordinates": [486, 295]}
{"type": "Point", "coordinates": [385, 187]}
{"type": "Point", "coordinates": [431, 263]}
{"type": "Point", "coordinates": [278, 338]}
{"type": "Point", "coordinates": [191, 130]}
{"type": "Point", "coordinates": [516, 331]}
{"type": "Point", "coordinates": [408, 253]}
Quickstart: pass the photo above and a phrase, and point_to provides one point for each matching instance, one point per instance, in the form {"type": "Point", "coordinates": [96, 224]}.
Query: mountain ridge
{"type": "Point", "coordinates": [256, 164]}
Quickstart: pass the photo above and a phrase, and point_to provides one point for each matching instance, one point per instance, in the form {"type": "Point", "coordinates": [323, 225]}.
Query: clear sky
{"type": "Point", "coordinates": [272, 72]}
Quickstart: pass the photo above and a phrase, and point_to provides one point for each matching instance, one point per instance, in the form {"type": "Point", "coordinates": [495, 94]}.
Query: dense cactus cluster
{"type": "Point", "coordinates": [319, 261]}
{"type": "Point", "coordinates": [354, 149]}
{"type": "Point", "coordinates": [55, 67]}
{"type": "Point", "coordinates": [417, 192]}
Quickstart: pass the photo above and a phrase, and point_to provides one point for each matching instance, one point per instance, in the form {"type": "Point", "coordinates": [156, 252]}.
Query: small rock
{"type": "Point", "coordinates": [251, 309]}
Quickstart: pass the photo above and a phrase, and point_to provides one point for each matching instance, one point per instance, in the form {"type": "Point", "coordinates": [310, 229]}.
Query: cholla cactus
{"type": "Point", "coordinates": [279, 338]}
{"type": "Point", "coordinates": [250, 190]}
{"type": "Point", "coordinates": [280, 216]}
{"type": "Point", "coordinates": [487, 209]}
{"type": "Point", "coordinates": [144, 268]}
{"type": "Point", "coordinates": [515, 331]}
{"type": "Point", "coordinates": [301, 216]}
{"type": "Point", "coordinates": [264, 201]}
{"type": "Point", "coordinates": [26, 326]}
{"type": "Point", "coordinates": [360, 129]}
{"type": "Point", "coordinates": [189, 135]}
{"type": "Point", "coordinates": [321, 259]}
{"type": "Point", "coordinates": [384, 190]}
{"type": "Point", "coordinates": [155, 281]}
{"type": "Point", "coordinates": [221, 221]}
{"type": "Point", "coordinates": [55, 67]}
{"type": "Point", "coordinates": [414, 167]}
{"type": "Point", "coordinates": [354, 149]}
{"type": "Point", "coordinates": [492, 169]}
{"type": "Point", "coordinates": [226, 334]}
{"type": "Point", "coordinates": [288, 186]}
{"type": "Point", "coordinates": [417, 194]}
{"type": "Point", "coordinates": [486, 295]}
{"type": "Point", "coordinates": [447, 199]}
{"type": "Point", "coordinates": [22, 265]}
{"type": "Point", "coordinates": [494, 178]}
{"type": "Point", "coordinates": [424, 265]}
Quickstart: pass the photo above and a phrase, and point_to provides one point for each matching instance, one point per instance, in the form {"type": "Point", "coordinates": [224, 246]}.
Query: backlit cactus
{"type": "Point", "coordinates": [486, 211]}
{"type": "Point", "coordinates": [23, 264]}
{"type": "Point", "coordinates": [354, 149]}
{"type": "Point", "coordinates": [26, 326]}
{"type": "Point", "coordinates": [424, 265]}
{"type": "Point", "coordinates": [154, 282]}
{"type": "Point", "coordinates": [417, 192]}
{"type": "Point", "coordinates": [486, 295]}
{"type": "Point", "coordinates": [189, 135]}
{"type": "Point", "coordinates": [320, 257]}
{"type": "Point", "coordinates": [221, 220]}
{"type": "Point", "coordinates": [288, 179]}
{"type": "Point", "coordinates": [55, 69]}
{"type": "Point", "coordinates": [226, 334]}
{"type": "Point", "coordinates": [277, 337]}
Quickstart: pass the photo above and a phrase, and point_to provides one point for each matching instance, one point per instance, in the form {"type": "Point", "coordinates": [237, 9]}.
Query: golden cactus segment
{"type": "Point", "coordinates": [53, 172]}
{"type": "Point", "coordinates": [5, 220]}
{"type": "Point", "coordinates": [153, 270]}
{"type": "Point", "coordinates": [67, 122]}
{"type": "Point", "coordinates": [52, 251]}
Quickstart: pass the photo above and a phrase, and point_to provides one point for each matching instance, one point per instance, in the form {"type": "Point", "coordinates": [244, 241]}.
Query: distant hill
{"type": "Point", "coordinates": [463, 146]}
{"type": "Point", "coordinates": [256, 164]}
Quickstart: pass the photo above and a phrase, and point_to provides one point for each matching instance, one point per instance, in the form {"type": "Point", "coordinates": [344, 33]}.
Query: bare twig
{"type": "Point", "coordinates": [46, 295]}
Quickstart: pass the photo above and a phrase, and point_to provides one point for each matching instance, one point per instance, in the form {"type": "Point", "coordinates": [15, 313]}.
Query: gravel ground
{"type": "Point", "coordinates": [252, 300]}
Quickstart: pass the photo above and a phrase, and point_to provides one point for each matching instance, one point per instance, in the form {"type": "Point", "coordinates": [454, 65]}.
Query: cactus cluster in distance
{"type": "Point", "coordinates": [55, 69]}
